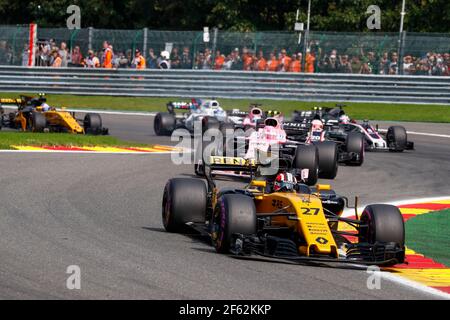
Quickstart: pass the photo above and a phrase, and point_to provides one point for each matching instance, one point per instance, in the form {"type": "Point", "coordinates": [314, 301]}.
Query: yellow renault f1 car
{"type": "Point", "coordinates": [33, 114]}
{"type": "Point", "coordinates": [299, 225]}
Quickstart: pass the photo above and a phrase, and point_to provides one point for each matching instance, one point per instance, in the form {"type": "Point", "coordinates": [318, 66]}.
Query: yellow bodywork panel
{"type": "Point", "coordinates": [307, 219]}
{"type": "Point", "coordinates": [63, 119]}
{"type": "Point", "coordinates": [20, 119]}
{"type": "Point", "coordinates": [321, 187]}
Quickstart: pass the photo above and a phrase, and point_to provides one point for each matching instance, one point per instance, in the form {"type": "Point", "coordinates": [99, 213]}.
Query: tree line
{"type": "Point", "coordinates": [231, 15]}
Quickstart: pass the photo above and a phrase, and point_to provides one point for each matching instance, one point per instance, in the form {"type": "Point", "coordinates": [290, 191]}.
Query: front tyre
{"type": "Point", "coordinates": [38, 122]}
{"type": "Point", "coordinates": [383, 223]}
{"type": "Point", "coordinates": [328, 159]}
{"type": "Point", "coordinates": [164, 124]}
{"type": "Point", "coordinates": [210, 123]}
{"type": "Point", "coordinates": [233, 214]}
{"type": "Point", "coordinates": [355, 144]}
{"type": "Point", "coordinates": [92, 123]}
{"type": "Point", "coordinates": [397, 138]}
{"type": "Point", "coordinates": [307, 157]}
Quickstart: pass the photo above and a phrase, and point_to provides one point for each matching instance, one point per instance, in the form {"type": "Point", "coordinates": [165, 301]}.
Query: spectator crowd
{"type": "Point", "coordinates": [316, 61]}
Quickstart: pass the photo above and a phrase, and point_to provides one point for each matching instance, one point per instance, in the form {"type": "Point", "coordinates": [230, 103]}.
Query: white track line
{"type": "Point", "coordinates": [351, 212]}
{"type": "Point", "coordinates": [415, 285]}
{"type": "Point", "coordinates": [121, 113]}
{"type": "Point", "coordinates": [429, 134]}
{"type": "Point", "coordinates": [422, 134]}
{"type": "Point", "coordinates": [398, 278]}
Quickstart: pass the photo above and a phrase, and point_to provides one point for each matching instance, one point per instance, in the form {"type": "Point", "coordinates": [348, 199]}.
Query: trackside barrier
{"type": "Point", "coordinates": [227, 84]}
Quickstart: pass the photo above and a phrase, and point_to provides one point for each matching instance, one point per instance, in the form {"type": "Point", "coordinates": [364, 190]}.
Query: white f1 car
{"type": "Point", "coordinates": [207, 112]}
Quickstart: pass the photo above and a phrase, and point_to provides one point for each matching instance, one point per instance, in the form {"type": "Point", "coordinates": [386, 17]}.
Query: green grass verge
{"type": "Point", "coordinates": [429, 234]}
{"type": "Point", "coordinates": [370, 111]}
{"type": "Point", "coordinates": [8, 139]}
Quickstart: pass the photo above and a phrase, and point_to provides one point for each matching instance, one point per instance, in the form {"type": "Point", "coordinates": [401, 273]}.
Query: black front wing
{"type": "Point", "coordinates": [381, 254]}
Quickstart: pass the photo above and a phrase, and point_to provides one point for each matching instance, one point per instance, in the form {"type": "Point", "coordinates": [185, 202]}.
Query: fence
{"type": "Point", "coordinates": [13, 39]}
{"type": "Point", "coordinates": [231, 84]}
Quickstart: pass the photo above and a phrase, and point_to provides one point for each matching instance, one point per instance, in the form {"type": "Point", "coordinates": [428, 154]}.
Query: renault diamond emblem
{"type": "Point", "coordinates": [321, 240]}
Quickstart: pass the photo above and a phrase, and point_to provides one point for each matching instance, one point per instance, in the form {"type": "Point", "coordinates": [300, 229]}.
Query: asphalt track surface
{"type": "Point", "coordinates": [103, 213]}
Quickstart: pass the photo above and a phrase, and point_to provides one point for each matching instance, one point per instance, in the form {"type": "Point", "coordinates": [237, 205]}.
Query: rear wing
{"type": "Point", "coordinates": [296, 128]}
{"type": "Point", "coordinates": [318, 112]}
{"type": "Point", "coordinates": [302, 115]}
{"type": "Point", "coordinates": [331, 123]}
{"type": "Point", "coordinates": [12, 102]}
{"type": "Point", "coordinates": [237, 113]}
{"type": "Point", "coordinates": [179, 105]}
{"type": "Point", "coordinates": [272, 113]}
{"type": "Point", "coordinates": [297, 131]}
{"type": "Point", "coordinates": [227, 164]}
{"type": "Point", "coordinates": [232, 164]}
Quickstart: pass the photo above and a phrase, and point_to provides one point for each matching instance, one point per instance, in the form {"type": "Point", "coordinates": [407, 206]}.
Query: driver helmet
{"type": "Point", "coordinates": [271, 122]}
{"type": "Point", "coordinates": [285, 181]}
{"type": "Point", "coordinates": [214, 105]}
{"type": "Point", "coordinates": [316, 125]}
{"type": "Point", "coordinates": [344, 119]}
{"type": "Point", "coordinates": [256, 113]}
{"type": "Point", "coordinates": [42, 98]}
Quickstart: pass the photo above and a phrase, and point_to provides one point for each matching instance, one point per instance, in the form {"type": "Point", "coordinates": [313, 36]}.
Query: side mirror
{"type": "Point", "coordinates": [259, 183]}
{"type": "Point", "coordinates": [322, 187]}
{"type": "Point", "coordinates": [259, 123]}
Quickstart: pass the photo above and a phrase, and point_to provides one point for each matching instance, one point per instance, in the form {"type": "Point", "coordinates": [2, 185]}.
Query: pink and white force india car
{"type": "Point", "coordinates": [253, 118]}
{"type": "Point", "coordinates": [292, 155]}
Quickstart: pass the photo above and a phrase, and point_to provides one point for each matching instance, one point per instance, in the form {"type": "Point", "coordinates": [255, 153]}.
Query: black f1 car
{"type": "Point", "coordinates": [339, 126]}
{"type": "Point", "coordinates": [350, 147]}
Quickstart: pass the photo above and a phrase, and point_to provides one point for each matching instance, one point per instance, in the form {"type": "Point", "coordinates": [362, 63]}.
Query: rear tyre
{"type": "Point", "coordinates": [396, 138]}
{"type": "Point", "coordinates": [233, 214]}
{"type": "Point", "coordinates": [249, 130]}
{"type": "Point", "coordinates": [210, 123]}
{"type": "Point", "coordinates": [38, 122]}
{"type": "Point", "coordinates": [164, 124]}
{"type": "Point", "coordinates": [199, 169]}
{"type": "Point", "coordinates": [227, 130]}
{"type": "Point", "coordinates": [328, 159]}
{"type": "Point", "coordinates": [2, 112]}
{"type": "Point", "coordinates": [203, 152]}
{"type": "Point", "coordinates": [307, 157]}
{"type": "Point", "coordinates": [92, 123]}
{"type": "Point", "coordinates": [384, 225]}
{"type": "Point", "coordinates": [224, 126]}
{"type": "Point", "coordinates": [184, 200]}
{"type": "Point", "coordinates": [355, 144]}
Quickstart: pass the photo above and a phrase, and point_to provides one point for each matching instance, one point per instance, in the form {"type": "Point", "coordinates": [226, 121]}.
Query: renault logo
{"type": "Point", "coordinates": [321, 240]}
